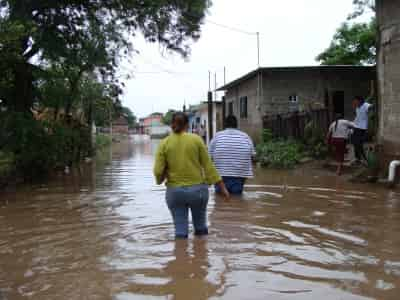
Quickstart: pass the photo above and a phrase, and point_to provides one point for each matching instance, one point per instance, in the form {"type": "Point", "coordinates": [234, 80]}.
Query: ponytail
{"type": "Point", "coordinates": [337, 118]}
{"type": "Point", "coordinates": [179, 122]}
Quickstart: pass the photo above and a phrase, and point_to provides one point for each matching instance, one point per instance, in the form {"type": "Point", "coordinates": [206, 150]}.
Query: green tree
{"type": "Point", "coordinates": [362, 6]}
{"type": "Point", "coordinates": [130, 117]}
{"type": "Point", "coordinates": [353, 43]}
{"type": "Point", "coordinates": [85, 36]}
{"type": "Point", "coordinates": [167, 118]}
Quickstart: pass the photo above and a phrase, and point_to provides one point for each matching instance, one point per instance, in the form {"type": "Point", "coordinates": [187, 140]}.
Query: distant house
{"type": "Point", "coordinates": [141, 126]}
{"type": "Point", "coordinates": [150, 121]}
{"type": "Point", "coordinates": [152, 125]}
{"type": "Point", "coordinates": [120, 125]}
{"type": "Point", "coordinates": [198, 116]}
{"type": "Point", "coordinates": [279, 90]}
{"type": "Point", "coordinates": [388, 15]}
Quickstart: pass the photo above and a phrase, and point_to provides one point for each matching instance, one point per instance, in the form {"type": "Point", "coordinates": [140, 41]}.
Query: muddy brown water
{"type": "Point", "coordinates": [105, 233]}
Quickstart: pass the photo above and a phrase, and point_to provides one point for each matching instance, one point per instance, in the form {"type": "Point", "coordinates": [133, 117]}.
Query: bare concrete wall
{"type": "Point", "coordinates": [314, 89]}
{"type": "Point", "coordinates": [252, 125]}
{"type": "Point", "coordinates": [388, 12]}
{"type": "Point", "coordinates": [311, 86]}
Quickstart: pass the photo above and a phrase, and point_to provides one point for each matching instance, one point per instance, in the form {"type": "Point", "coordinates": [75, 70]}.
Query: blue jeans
{"type": "Point", "coordinates": [180, 200]}
{"type": "Point", "coordinates": [234, 185]}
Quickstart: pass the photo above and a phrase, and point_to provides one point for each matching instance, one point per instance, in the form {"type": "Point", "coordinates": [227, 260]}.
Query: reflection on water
{"type": "Point", "coordinates": [105, 233]}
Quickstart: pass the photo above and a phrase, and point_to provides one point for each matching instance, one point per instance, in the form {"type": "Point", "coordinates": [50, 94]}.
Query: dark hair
{"type": "Point", "coordinates": [338, 116]}
{"type": "Point", "coordinates": [359, 99]}
{"type": "Point", "coordinates": [179, 122]}
{"type": "Point", "coordinates": [231, 122]}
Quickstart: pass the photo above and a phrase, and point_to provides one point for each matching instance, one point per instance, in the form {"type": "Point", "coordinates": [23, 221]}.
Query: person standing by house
{"type": "Point", "coordinates": [232, 151]}
{"type": "Point", "coordinates": [183, 161]}
{"type": "Point", "coordinates": [360, 133]}
{"type": "Point", "coordinates": [203, 133]}
{"type": "Point", "coordinates": [337, 136]}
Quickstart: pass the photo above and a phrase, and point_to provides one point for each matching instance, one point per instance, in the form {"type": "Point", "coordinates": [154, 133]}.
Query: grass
{"type": "Point", "coordinates": [6, 164]}
{"type": "Point", "coordinates": [102, 141]}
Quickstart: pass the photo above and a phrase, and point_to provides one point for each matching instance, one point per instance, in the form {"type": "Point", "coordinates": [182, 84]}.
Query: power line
{"type": "Point", "coordinates": [231, 28]}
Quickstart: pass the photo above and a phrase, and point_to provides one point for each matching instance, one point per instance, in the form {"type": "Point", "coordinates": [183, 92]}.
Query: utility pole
{"type": "Point", "coordinates": [215, 86]}
{"type": "Point", "coordinates": [209, 80]}
{"type": "Point", "coordinates": [210, 108]}
{"type": "Point", "coordinates": [258, 49]}
{"type": "Point", "coordinates": [224, 75]}
{"type": "Point", "coordinates": [224, 103]}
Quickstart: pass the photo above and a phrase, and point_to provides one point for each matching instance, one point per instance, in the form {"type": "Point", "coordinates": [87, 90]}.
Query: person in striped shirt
{"type": "Point", "coordinates": [232, 151]}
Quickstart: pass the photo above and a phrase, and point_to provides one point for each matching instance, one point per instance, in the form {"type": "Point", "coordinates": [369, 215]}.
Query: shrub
{"type": "Point", "coordinates": [102, 141]}
{"type": "Point", "coordinates": [38, 146]}
{"type": "Point", "coordinates": [314, 141]}
{"type": "Point", "coordinates": [267, 135]}
{"type": "Point", "coordinates": [280, 153]}
{"type": "Point", "coordinates": [6, 164]}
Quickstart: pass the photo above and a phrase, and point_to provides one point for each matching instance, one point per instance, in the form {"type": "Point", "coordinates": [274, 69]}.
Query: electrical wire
{"type": "Point", "coordinates": [231, 28]}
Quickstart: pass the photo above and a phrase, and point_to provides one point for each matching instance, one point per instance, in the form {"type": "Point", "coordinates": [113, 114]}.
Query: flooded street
{"type": "Point", "coordinates": [105, 233]}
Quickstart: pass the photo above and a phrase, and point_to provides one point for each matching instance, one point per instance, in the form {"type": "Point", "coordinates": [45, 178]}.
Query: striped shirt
{"type": "Point", "coordinates": [231, 151]}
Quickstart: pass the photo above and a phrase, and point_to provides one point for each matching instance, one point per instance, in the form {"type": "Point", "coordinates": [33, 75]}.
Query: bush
{"type": "Point", "coordinates": [102, 141]}
{"type": "Point", "coordinates": [38, 146]}
{"type": "Point", "coordinates": [280, 153]}
{"type": "Point", "coordinates": [267, 135]}
{"type": "Point", "coordinates": [315, 141]}
{"type": "Point", "coordinates": [6, 164]}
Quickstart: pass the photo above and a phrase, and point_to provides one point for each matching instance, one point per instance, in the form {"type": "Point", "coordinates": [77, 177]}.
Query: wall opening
{"type": "Point", "coordinates": [338, 102]}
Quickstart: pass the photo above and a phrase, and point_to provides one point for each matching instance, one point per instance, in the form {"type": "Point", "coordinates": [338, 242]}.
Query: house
{"type": "Point", "coordinates": [150, 121]}
{"type": "Point", "coordinates": [278, 90]}
{"type": "Point", "coordinates": [140, 129]}
{"type": "Point", "coordinates": [388, 15]}
{"type": "Point", "coordinates": [152, 125]}
{"type": "Point", "coordinates": [198, 116]}
{"type": "Point", "coordinates": [120, 126]}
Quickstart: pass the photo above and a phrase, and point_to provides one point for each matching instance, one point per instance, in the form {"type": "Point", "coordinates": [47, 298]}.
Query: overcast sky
{"type": "Point", "coordinates": [292, 33]}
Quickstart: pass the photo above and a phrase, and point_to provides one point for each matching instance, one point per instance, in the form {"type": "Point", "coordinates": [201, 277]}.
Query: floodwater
{"type": "Point", "coordinates": [105, 233]}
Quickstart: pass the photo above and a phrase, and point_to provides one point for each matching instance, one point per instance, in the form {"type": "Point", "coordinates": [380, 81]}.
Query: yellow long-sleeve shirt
{"type": "Point", "coordinates": [183, 160]}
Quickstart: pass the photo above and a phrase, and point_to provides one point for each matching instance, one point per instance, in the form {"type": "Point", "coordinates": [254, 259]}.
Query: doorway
{"type": "Point", "coordinates": [338, 102]}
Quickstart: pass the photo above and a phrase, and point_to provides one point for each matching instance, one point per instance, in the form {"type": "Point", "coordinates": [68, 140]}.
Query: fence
{"type": "Point", "coordinates": [293, 124]}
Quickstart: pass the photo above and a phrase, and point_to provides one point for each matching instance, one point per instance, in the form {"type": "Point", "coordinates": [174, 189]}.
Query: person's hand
{"type": "Point", "coordinates": [225, 194]}
{"type": "Point", "coordinates": [223, 191]}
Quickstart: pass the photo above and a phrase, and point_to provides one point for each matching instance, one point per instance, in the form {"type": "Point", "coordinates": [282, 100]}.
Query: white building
{"type": "Point", "coordinates": [199, 117]}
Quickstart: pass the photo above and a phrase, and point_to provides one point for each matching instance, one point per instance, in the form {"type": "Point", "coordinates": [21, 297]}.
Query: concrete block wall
{"type": "Point", "coordinates": [252, 125]}
{"type": "Point", "coordinates": [388, 12]}
{"type": "Point", "coordinates": [310, 85]}
{"type": "Point", "coordinates": [313, 88]}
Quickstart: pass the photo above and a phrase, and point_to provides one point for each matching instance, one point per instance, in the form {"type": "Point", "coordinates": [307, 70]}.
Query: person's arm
{"type": "Point", "coordinates": [223, 189]}
{"type": "Point", "coordinates": [329, 133]}
{"type": "Point", "coordinates": [160, 164]}
{"type": "Point", "coordinates": [252, 148]}
{"type": "Point", "coordinates": [210, 172]}
{"type": "Point", "coordinates": [350, 124]}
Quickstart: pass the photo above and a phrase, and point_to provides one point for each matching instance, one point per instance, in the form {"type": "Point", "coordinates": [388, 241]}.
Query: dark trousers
{"type": "Point", "coordinates": [234, 185]}
{"type": "Point", "coordinates": [359, 138]}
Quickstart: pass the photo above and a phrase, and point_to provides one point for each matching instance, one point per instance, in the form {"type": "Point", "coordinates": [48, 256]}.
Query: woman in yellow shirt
{"type": "Point", "coordinates": [182, 161]}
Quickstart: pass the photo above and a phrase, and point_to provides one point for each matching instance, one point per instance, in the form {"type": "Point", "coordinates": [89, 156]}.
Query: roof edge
{"type": "Point", "coordinates": [288, 68]}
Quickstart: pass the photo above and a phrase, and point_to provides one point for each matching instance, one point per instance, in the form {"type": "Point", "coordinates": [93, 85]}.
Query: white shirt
{"type": "Point", "coordinates": [361, 120]}
{"type": "Point", "coordinates": [342, 130]}
{"type": "Point", "coordinates": [231, 151]}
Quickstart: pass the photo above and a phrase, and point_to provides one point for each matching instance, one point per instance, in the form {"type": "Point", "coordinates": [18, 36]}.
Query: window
{"type": "Point", "coordinates": [243, 107]}
{"type": "Point", "coordinates": [293, 98]}
{"type": "Point", "coordinates": [230, 109]}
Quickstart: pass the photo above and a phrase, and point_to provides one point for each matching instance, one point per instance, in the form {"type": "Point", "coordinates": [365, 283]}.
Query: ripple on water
{"type": "Point", "coordinates": [108, 234]}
